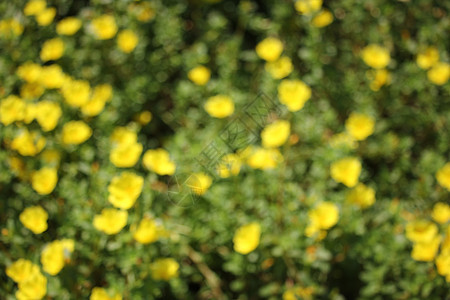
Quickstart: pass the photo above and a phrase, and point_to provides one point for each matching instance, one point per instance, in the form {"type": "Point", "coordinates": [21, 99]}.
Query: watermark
{"type": "Point", "coordinates": [241, 131]}
{"type": "Point", "coordinates": [180, 191]}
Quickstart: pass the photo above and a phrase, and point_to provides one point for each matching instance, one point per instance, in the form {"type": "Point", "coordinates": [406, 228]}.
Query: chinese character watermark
{"type": "Point", "coordinates": [240, 132]}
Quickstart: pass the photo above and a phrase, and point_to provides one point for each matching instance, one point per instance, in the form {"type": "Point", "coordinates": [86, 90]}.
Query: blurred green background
{"type": "Point", "coordinates": [364, 256]}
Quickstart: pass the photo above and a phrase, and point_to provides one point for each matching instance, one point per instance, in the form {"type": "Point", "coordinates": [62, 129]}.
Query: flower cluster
{"type": "Point", "coordinates": [105, 111]}
{"type": "Point", "coordinates": [438, 71]}
{"type": "Point", "coordinates": [428, 242]}
{"type": "Point", "coordinates": [321, 218]}
{"type": "Point", "coordinates": [31, 282]}
{"type": "Point", "coordinates": [321, 17]}
{"type": "Point", "coordinates": [378, 58]}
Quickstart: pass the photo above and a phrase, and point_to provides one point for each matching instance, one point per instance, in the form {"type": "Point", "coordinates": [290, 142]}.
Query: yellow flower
{"type": "Point", "coordinates": [111, 220]}
{"type": "Point", "coordinates": [426, 251]}
{"type": "Point", "coordinates": [145, 12]}
{"type": "Point", "coordinates": [34, 7]}
{"type": "Point", "coordinates": [219, 106]}
{"type": "Point", "coordinates": [199, 75]}
{"type": "Point", "coordinates": [324, 216]}
{"type": "Point", "coordinates": [31, 90]}
{"type": "Point", "coordinates": [164, 269]}
{"type": "Point", "coordinates": [443, 264]}
{"type": "Point", "coordinates": [313, 230]}
{"type": "Point", "coordinates": [144, 117]}
{"type": "Point", "coordinates": [439, 73]}
{"type": "Point", "coordinates": [29, 71]}
{"type": "Point", "coordinates": [359, 126]}
{"type": "Point", "coordinates": [52, 258]}
{"type": "Point", "coordinates": [289, 295]}
{"type": "Point", "coordinates": [280, 68]}
{"type": "Point", "coordinates": [48, 114]}
{"type": "Point", "coordinates": [76, 92]}
{"type": "Point", "coordinates": [230, 165]}
{"type": "Point", "coordinates": [54, 254]}
{"type": "Point", "coordinates": [158, 161]}
{"type": "Point", "coordinates": [346, 171]}
{"type": "Point", "coordinates": [379, 78]}
{"type": "Point", "coordinates": [30, 112]}
{"type": "Point", "coordinates": [123, 136]}
{"type": "Point", "coordinates": [125, 189]}
{"type": "Point", "coordinates": [52, 49]}
{"type": "Point", "coordinates": [46, 16]}
{"type": "Point", "coordinates": [101, 294]}
{"type": "Point", "coordinates": [375, 56]}
{"type": "Point", "coordinates": [199, 183]}
{"type": "Point", "coordinates": [28, 143]}
{"type": "Point", "coordinates": [275, 134]}
{"type": "Point", "coordinates": [445, 248]}
{"type": "Point", "coordinates": [421, 231]}
{"type": "Point", "coordinates": [34, 218]}
{"type": "Point", "coordinates": [269, 49]}
{"type": "Point", "coordinates": [21, 270]}
{"type": "Point", "coordinates": [10, 28]}
{"type": "Point", "coordinates": [443, 176]}
{"type": "Point", "coordinates": [246, 238]}
{"type": "Point", "coordinates": [307, 6]}
{"type": "Point", "coordinates": [148, 231]}
{"type": "Point", "coordinates": [293, 94]}
{"type": "Point", "coordinates": [245, 153]}
{"type": "Point", "coordinates": [127, 40]}
{"type": "Point", "coordinates": [260, 158]}
{"type": "Point", "coordinates": [75, 132]}
{"type": "Point", "coordinates": [441, 213]}
{"type": "Point", "coordinates": [104, 27]}
{"type": "Point", "coordinates": [68, 26]}
{"type": "Point", "coordinates": [323, 18]}
{"type": "Point", "coordinates": [301, 292]}
{"type": "Point", "coordinates": [17, 166]}
{"type": "Point", "coordinates": [361, 195]}
{"type": "Point", "coordinates": [93, 107]}
{"type": "Point", "coordinates": [52, 77]}
{"type": "Point", "coordinates": [427, 58]}
{"type": "Point", "coordinates": [12, 109]}
{"type": "Point", "coordinates": [126, 156]}
{"type": "Point", "coordinates": [101, 94]}
{"type": "Point", "coordinates": [44, 180]}
{"type": "Point", "coordinates": [344, 140]}
{"type": "Point", "coordinates": [34, 288]}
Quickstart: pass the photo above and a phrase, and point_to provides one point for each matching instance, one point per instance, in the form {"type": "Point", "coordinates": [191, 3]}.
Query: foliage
{"type": "Point", "coordinates": [175, 233]}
